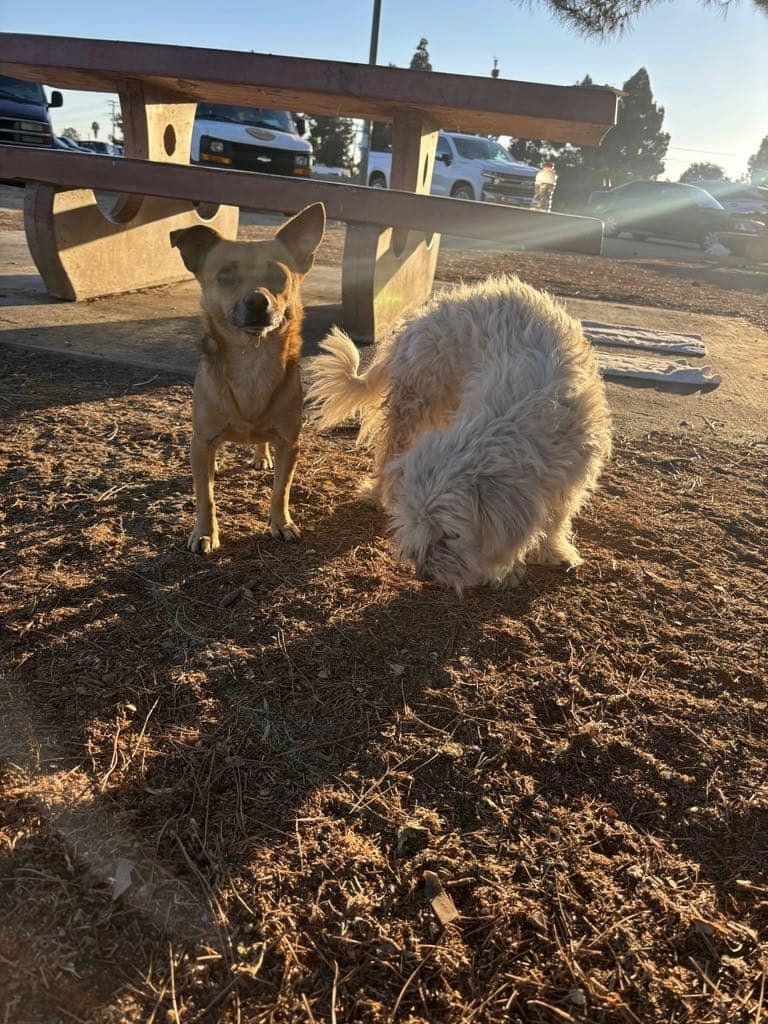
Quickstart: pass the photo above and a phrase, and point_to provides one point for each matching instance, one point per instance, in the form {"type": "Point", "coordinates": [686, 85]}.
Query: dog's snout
{"type": "Point", "coordinates": [257, 304]}
{"type": "Point", "coordinates": [255, 312]}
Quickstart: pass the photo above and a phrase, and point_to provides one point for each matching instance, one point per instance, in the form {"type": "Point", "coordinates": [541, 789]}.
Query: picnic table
{"type": "Point", "coordinates": [392, 238]}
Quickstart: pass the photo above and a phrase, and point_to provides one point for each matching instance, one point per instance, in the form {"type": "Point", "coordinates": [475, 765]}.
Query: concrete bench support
{"type": "Point", "coordinates": [388, 272]}
{"type": "Point", "coordinates": [81, 251]}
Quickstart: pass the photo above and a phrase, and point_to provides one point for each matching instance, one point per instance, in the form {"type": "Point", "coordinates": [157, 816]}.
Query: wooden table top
{"type": "Point", "coordinates": [576, 114]}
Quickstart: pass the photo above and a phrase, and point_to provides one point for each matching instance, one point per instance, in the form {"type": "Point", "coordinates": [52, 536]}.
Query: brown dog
{"type": "Point", "coordinates": [247, 387]}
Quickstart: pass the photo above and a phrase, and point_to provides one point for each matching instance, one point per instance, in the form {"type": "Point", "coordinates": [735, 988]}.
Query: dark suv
{"type": "Point", "coordinates": [24, 117]}
{"type": "Point", "coordinates": [661, 209]}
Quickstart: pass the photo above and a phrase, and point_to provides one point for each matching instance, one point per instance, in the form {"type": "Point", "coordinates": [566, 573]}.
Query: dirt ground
{"type": "Point", "coordinates": [293, 784]}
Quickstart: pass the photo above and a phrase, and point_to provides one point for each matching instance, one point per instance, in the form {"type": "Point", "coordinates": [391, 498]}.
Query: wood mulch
{"type": "Point", "coordinates": [291, 783]}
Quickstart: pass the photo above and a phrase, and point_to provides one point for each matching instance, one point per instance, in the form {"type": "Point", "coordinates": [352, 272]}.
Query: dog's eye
{"type": "Point", "coordinates": [227, 276]}
{"type": "Point", "coordinates": [275, 278]}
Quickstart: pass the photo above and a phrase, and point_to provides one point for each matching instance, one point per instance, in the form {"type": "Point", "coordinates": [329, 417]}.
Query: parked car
{"type": "Point", "coordinates": [64, 142]}
{"type": "Point", "coordinates": [102, 148]}
{"type": "Point", "coordinates": [24, 117]}
{"type": "Point", "coordinates": [663, 210]}
{"type": "Point", "coordinates": [251, 139]}
{"type": "Point", "coordinates": [468, 167]}
{"type": "Point", "coordinates": [326, 173]}
{"type": "Point", "coordinates": [738, 197]}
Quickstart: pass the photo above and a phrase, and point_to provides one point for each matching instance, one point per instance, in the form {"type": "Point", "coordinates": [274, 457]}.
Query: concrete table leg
{"type": "Point", "coordinates": [82, 252]}
{"type": "Point", "coordinates": [386, 273]}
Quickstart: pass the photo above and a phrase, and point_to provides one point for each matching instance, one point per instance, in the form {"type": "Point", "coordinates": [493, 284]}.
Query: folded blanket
{"type": "Point", "coordinates": [647, 367]}
{"type": "Point", "coordinates": [627, 336]}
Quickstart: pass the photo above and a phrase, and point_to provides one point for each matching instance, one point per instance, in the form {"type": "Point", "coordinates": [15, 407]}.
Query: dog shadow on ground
{"type": "Point", "coordinates": [199, 728]}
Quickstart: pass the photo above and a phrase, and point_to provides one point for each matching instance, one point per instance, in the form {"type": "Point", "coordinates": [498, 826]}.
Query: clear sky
{"type": "Point", "coordinates": [708, 69]}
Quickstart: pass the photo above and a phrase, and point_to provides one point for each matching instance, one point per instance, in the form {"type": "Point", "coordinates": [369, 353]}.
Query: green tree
{"type": "Point", "coordinates": [95, 129]}
{"type": "Point", "coordinates": [757, 165]}
{"type": "Point", "coordinates": [332, 139]}
{"type": "Point", "coordinates": [381, 137]}
{"type": "Point", "coordinates": [495, 69]}
{"type": "Point", "coordinates": [420, 59]}
{"type": "Point", "coordinates": [703, 171]}
{"type": "Point", "coordinates": [71, 133]}
{"type": "Point", "coordinates": [529, 151]}
{"type": "Point", "coordinates": [601, 17]}
{"type": "Point", "coordinates": [636, 147]}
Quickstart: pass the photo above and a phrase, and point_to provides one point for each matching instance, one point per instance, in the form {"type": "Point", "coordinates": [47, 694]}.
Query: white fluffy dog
{"type": "Point", "coordinates": [489, 424]}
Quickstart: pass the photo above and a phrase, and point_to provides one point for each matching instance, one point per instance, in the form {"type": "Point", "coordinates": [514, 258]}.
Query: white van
{"type": "Point", "coordinates": [251, 139]}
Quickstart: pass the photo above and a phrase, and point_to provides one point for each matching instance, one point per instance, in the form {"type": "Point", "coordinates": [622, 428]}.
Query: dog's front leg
{"type": "Point", "coordinates": [205, 536]}
{"type": "Point", "coordinates": [281, 526]}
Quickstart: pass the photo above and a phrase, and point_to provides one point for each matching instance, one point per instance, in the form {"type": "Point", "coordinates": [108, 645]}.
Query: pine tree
{"type": "Point", "coordinates": [601, 17]}
{"type": "Point", "coordinates": [420, 59]}
{"type": "Point", "coordinates": [332, 139]}
{"type": "Point", "coordinates": [636, 147]}
{"type": "Point", "coordinates": [757, 165]}
{"type": "Point", "coordinates": [702, 171]}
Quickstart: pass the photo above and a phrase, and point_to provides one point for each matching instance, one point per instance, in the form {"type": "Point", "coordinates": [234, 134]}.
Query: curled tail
{"type": "Point", "coordinates": [338, 391]}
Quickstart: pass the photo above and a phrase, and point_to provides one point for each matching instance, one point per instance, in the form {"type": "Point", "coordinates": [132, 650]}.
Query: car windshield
{"type": "Point", "coordinates": [480, 149]}
{"type": "Point", "coordinates": [730, 190]}
{"type": "Point", "coordinates": [280, 120]}
{"type": "Point", "coordinates": [656, 194]}
{"type": "Point", "coordinates": [704, 199]}
{"type": "Point", "coordinates": [21, 92]}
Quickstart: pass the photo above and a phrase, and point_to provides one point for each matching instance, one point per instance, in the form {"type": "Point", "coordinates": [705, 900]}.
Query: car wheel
{"type": "Point", "coordinates": [463, 190]}
{"type": "Point", "coordinates": [708, 237]}
{"type": "Point", "coordinates": [610, 225]}
{"type": "Point", "coordinates": [639, 236]}
{"type": "Point", "coordinates": [377, 181]}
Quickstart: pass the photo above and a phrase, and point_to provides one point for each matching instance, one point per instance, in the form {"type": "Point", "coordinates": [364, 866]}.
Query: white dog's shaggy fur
{"type": "Point", "coordinates": [490, 426]}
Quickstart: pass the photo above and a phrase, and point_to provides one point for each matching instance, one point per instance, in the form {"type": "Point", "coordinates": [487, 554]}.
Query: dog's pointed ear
{"type": "Point", "coordinates": [194, 244]}
{"type": "Point", "coordinates": [302, 234]}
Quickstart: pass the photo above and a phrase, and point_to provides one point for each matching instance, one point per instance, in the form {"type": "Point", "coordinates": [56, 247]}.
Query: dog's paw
{"type": "Point", "coordinates": [264, 458]}
{"type": "Point", "coordinates": [564, 554]}
{"type": "Point", "coordinates": [202, 543]}
{"type": "Point", "coordinates": [288, 531]}
{"type": "Point", "coordinates": [369, 492]}
{"type": "Point", "coordinates": [510, 579]}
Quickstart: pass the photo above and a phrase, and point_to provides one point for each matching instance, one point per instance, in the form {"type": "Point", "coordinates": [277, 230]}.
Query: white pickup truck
{"type": "Point", "coordinates": [468, 167]}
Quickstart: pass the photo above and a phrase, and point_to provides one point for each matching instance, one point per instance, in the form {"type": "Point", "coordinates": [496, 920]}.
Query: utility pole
{"type": "Point", "coordinates": [113, 105]}
{"type": "Point", "coordinates": [365, 141]}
